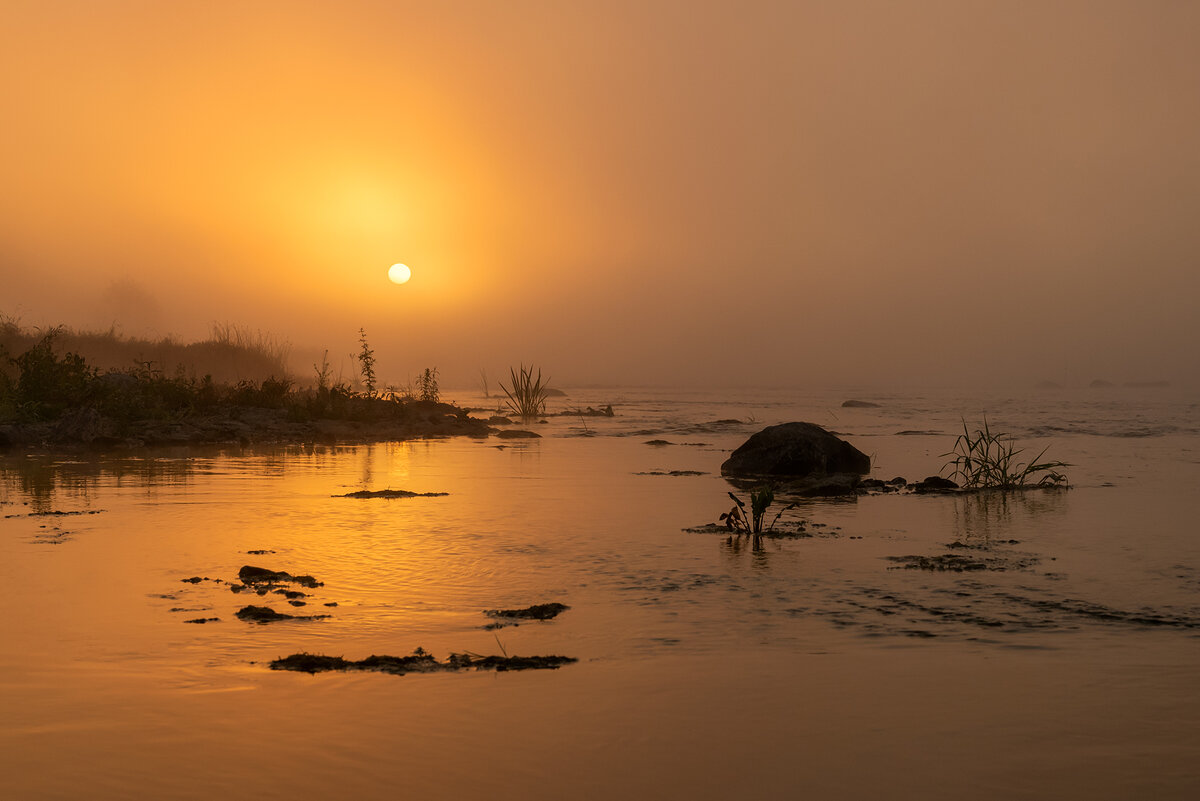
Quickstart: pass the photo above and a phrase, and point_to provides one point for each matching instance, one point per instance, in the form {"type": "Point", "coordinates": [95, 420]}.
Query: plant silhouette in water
{"type": "Point", "coordinates": [527, 395]}
{"type": "Point", "coordinates": [985, 460]}
{"type": "Point", "coordinates": [760, 500]}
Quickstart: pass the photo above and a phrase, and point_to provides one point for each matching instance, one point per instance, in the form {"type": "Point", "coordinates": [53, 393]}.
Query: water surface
{"type": "Point", "coordinates": [708, 668]}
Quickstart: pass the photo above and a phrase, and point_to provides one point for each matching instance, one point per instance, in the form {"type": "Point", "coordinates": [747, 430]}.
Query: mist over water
{"type": "Point", "coordinates": [714, 217]}
{"type": "Point", "coordinates": [968, 194]}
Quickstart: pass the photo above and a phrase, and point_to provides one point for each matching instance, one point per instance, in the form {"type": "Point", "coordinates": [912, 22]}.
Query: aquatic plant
{"type": "Point", "coordinates": [989, 460]}
{"type": "Point", "coordinates": [760, 500]}
{"type": "Point", "coordinates": [366, 361]}
{"type": "Point", "coordinates": [527, 395]}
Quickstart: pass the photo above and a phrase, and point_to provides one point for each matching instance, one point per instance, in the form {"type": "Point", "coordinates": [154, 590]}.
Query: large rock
{"type": "Point", "coordinates": [795, 449]}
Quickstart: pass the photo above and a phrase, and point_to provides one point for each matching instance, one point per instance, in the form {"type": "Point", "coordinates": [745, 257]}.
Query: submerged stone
{"type": "Point", "coordinates": [535, 612]}
{"type": "Point", "coordinates": [251, 576]}
{"type": "Point", "coordinates": [265, 614]}
{"type": "Point", "coordinates": [390, 493]}
{"type": "Point", "coordinates": [934, 484]}
{"type": "Point", "coordinates": [517, 433]}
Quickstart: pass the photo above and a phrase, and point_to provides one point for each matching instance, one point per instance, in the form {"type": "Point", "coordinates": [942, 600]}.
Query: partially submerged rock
{"type": "Point", "coordinates": [859, 404]}
{"type": "Point", "coordinates": [934, 484]}
{"type": "Point", "coordinates": [265, 614]}
{"type": "Point", "coordinates": [257, 577]}
{"type": "Point", "coordinates": [795, 450]}
{"type": "Point", "coordinates": [535, 612]}
{"type": "Point", "coordinates": [517, 433]}
{"type": "Point", "coordinates": [418, 662]}
{"type": "Point", "coordinates": [390, 493]}
{"type": "Point", "coordinates": [828, 486]}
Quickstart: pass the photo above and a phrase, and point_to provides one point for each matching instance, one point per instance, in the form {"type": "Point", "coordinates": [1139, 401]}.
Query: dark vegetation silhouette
{"type": "Point", "coordinates": [47, 376]}
{"type": "Point", "coordinates": [987, 460]}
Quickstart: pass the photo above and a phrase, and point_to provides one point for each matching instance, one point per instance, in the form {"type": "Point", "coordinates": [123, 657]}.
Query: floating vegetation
{"type": "Point", "coordinates": [419, 661]}
{"type": "Point", "coordinates": [987, 460]}
{"type": "Point", "coordinates": [56, 513]}
{"type": "Point", "coordinates": [961, 563]}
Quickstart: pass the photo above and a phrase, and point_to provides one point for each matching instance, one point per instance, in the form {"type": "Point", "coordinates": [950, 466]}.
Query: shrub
{"type": "Point", "coordinates": [47, 385]}
{"type": "Point", "coordinates": [428, 385]}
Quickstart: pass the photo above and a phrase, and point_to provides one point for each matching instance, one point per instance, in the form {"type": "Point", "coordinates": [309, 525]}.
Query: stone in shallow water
{"type": "Point", "coordinates": [795, 450]}
{"type": "Point", "coordinates": [265, 614]}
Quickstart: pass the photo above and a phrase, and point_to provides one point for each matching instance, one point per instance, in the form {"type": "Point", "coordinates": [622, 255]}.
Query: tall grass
{"type": "Point", "coordinates": [988, 460]}
{"type": "Point", "coordinates": [526, 394]}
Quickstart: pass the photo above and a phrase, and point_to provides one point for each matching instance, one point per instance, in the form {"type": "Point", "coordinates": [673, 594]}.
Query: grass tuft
{"type": "Point", "coordinates": [526, 395]}
{"type": "Point", "coordinates": [984, 460]}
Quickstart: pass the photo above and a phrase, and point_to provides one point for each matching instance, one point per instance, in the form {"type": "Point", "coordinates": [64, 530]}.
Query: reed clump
{"type": "Point", "coordinates": [988, 460]}
{"type": "Point", "coordinates": [526, 395]}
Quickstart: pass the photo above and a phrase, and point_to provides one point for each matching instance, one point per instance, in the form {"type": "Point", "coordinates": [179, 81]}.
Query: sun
{"type": "Point", "coordinates": [399, 273]}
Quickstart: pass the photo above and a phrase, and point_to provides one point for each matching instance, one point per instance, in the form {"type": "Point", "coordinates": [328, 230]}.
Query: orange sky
{"type": "Point", "coordinates": [777, 193]}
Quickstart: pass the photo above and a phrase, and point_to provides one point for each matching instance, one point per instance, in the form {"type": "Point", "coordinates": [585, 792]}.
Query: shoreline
{"type": "Point", "coordinates": [86, 430]}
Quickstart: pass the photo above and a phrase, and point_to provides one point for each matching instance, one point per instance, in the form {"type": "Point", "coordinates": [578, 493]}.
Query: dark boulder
{"type": "Point", "coordinates": [859, 404]}
{"type": "Point", "coordinates": [795, 449]}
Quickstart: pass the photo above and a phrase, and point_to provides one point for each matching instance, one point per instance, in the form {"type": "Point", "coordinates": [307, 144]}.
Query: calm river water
{"type": "Point", "coordinates": [707, 669]}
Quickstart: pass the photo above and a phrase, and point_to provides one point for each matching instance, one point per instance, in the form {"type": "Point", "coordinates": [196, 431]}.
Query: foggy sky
{"type": "Point", "coordinates": [770, 193]}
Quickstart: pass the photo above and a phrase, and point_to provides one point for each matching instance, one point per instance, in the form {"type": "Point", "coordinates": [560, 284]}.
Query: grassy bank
{"type": "Point", "coordinates": [62, 387]}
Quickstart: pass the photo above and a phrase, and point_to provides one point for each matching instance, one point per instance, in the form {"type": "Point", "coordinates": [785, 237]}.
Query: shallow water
{"type": "Point", "coordinates": [708, 668]}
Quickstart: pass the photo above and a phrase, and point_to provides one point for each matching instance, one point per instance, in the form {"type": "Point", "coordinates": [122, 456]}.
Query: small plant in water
{"type": "Point", "coordinates": [985, 460]}
{"type": "Point", "coordinates": [527, 395]}
{"type": "Point", "coordinates": [760, 500]}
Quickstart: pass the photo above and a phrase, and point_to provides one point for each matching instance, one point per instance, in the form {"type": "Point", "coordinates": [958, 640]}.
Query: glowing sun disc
{"type": "Point", "coordinates": [399, 273]}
